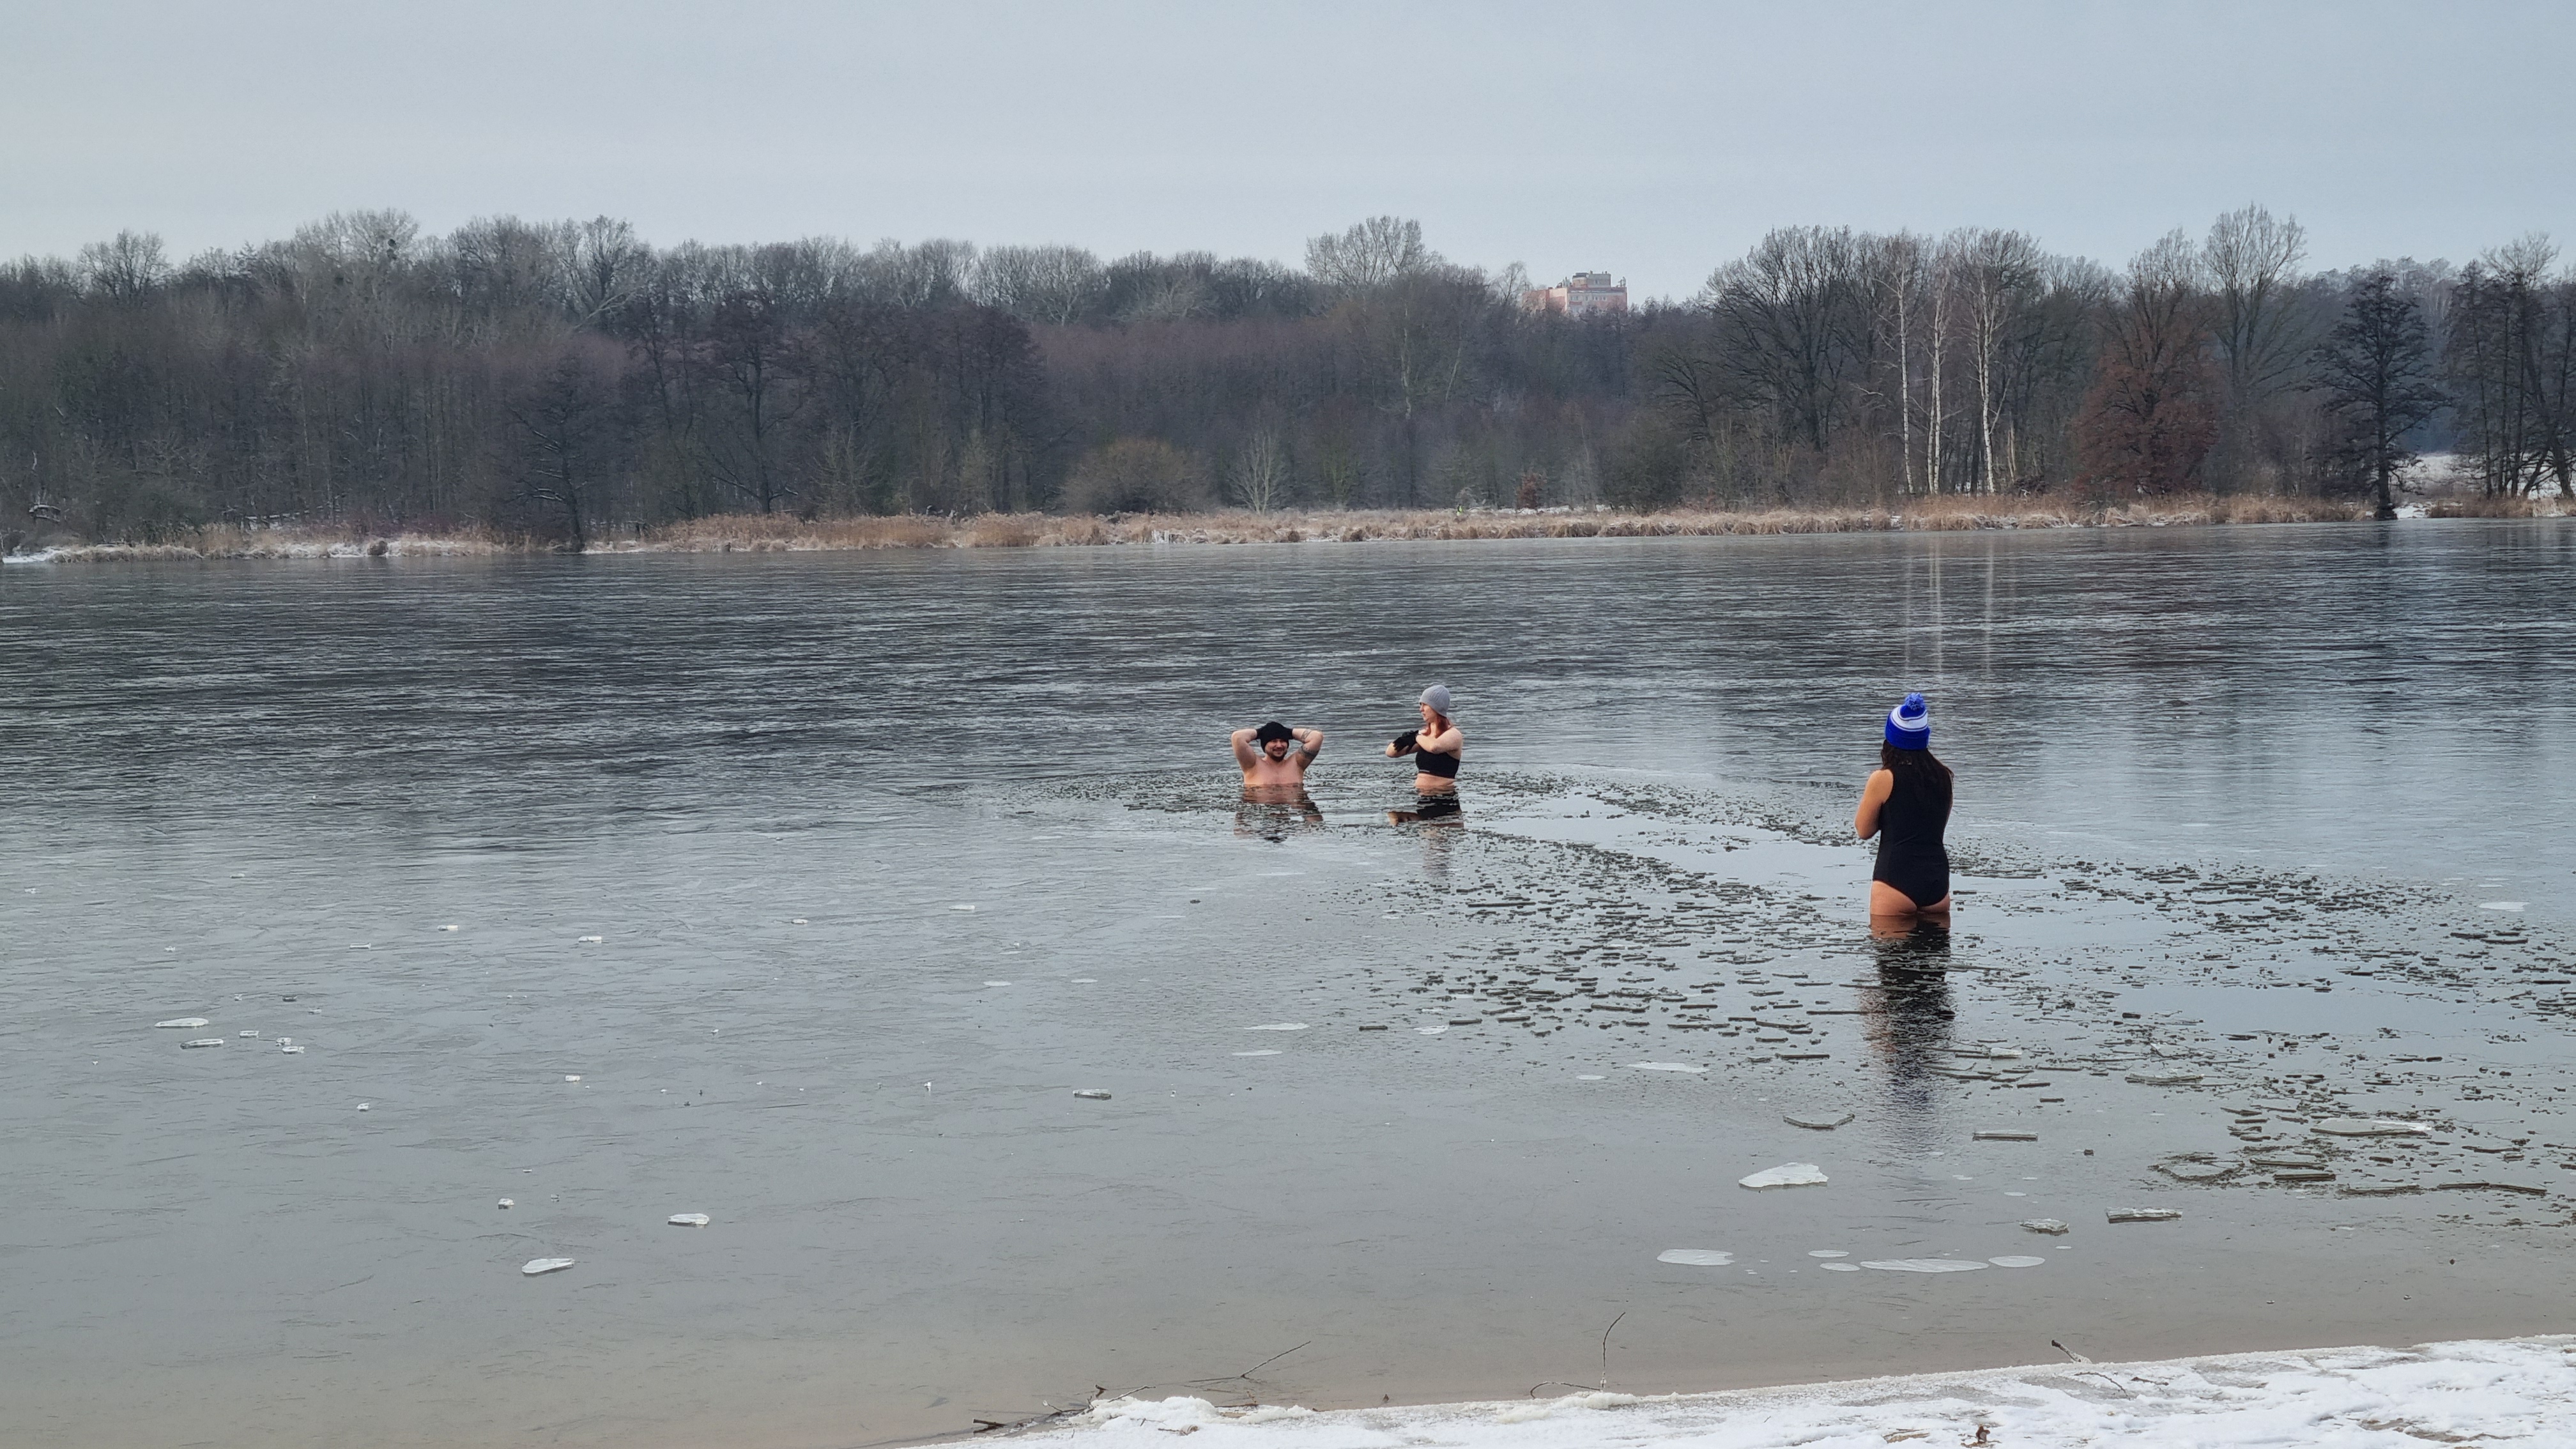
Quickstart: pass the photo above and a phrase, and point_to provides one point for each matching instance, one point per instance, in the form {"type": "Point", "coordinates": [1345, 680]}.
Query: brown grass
{"type": "Point", "coordinates": [752, 533]}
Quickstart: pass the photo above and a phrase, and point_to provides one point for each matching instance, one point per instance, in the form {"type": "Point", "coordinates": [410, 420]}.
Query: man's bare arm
{"type": "Point", "coordinates": [1311, 743]}
{"type": "Point", "coordinates": [1244, 754]}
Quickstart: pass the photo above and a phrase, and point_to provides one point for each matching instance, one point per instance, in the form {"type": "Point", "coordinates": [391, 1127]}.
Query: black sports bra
{"type": "Point", "coordinates": [1428, 762]}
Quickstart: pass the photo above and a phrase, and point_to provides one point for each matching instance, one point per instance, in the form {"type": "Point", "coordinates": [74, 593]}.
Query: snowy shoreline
{"type": "Point", "coordinates": [2497, 1391]}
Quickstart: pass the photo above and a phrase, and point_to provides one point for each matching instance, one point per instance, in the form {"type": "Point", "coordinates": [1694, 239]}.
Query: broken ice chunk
{"type": "Point", "coordinates": [1695, 1257]}
{"type": "Point", "coordinates": [1094, 1093]}
{"type": "Point", "coordinates": [1787, 1174]}
{"type": "Point", "coordinates": [688, 1220]}
{"type": "Point", "coordinates": [2371, 1127]}
{"type": "Point", "coordinates": [203, 1041]}
{"type": "Point", "coordinates": [1817, 1121]}
{"type": "Point", "coordinates": [1925, 1265]}
{"type": "Point", "coordinates": [1666, 1067]}
{"type": "Point", "coordinates": [2144, 1215]}
{"type": "Point", "coordinates": [2016, 1261]}
{"type": "Point", "coordinates": [180, 1023]}
{"type": "Point", "coordinates": [2050, 1226]}
{"type": "Point", "coordinates": [535, 1266]}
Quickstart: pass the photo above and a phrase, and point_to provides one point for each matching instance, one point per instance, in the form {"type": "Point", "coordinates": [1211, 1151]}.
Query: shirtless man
{"type": "Point", "coordinates": [1275, 755]}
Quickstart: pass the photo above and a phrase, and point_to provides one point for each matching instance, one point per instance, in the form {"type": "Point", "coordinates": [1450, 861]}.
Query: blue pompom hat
{"type": "Point", "coordinates": [1909, 725]}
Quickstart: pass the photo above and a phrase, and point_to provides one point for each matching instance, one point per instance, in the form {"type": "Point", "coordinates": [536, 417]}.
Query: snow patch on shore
{"type": "Point", "coordinates": [2514, 1391]}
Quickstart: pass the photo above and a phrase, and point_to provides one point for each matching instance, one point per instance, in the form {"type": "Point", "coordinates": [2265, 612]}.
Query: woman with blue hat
{"type": "Point", "coordinates": [1906, 804]}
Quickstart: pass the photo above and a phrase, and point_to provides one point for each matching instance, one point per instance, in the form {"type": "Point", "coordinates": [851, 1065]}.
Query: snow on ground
{"type": "Point", "coordinates": [2515, 1391]}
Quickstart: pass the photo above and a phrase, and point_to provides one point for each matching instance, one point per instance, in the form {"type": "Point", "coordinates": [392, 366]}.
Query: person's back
{"type": "Point", "coordinates": [1906, 805]}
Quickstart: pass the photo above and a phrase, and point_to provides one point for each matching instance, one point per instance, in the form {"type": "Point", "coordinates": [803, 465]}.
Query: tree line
{"type": "Point", "coordinates": [569, 378]}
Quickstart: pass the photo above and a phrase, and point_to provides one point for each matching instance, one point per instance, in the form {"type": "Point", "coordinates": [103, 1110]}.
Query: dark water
{"type": "Point", "coordinates": [2275, 809]}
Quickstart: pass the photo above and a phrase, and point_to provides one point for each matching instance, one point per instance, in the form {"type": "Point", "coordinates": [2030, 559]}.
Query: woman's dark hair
{"type": "Point", "coordinates": [1916, 764]}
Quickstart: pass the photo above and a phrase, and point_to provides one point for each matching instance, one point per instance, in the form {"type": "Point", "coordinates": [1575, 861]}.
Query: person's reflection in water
{"type": "Point", "coordinates": [1274, 812]}
{"type": "Point", "coordinates": [1907, 1018]}
{"type": "Point", "coordinates": [1440, 813]}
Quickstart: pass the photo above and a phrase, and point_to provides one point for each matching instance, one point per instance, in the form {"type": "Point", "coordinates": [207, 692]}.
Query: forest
{"type": "Point", "coordinates": [569, 380]}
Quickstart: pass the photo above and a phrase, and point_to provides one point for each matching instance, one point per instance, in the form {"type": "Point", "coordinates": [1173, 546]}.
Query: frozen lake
{"type": "Point", "coordinates": [805, 892]}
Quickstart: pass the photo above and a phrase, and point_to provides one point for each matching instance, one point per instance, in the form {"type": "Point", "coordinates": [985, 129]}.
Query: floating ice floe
{"type": "Point", "coordinates": [447, 928]}
{"type": "Point", "coordinates": [250, 1033]}
{"type": "Point", "coordinates": [1093, 1093]}
{"type": "Point", "coordinates": [961, 908]}
{"type": "Point", "coordinates": [508, 1203]}
{"type": "Point", "coordinates": [203, 1041]}
{"type": "Point", "coordinates": [591, 940]}
{"type": "Point", "coordinates": [2051, 1226]}
{"type": "Point", "coordinates": [181, 1023]}
{"type": "Point", "coordinates": [2371, 1127]}
{"type": "Point", "coordinates": [289, 1048]}
{"type": "Point", "coordinates": [1924, 1265]}
{"type": "Point", "coordinates": [997, 983]}
{"type": "Point", "coordinates": [1840, 1267]}
{"type": "Point", "coordinates": [1787, 1174]}
{"type": "Point", "coordinates": [2016, 1260]}
{"type": "Point", "coordinates": [535, 1266]}
{"type": "Point", "coordinates": [1260, 1052]}
{"type": "Point", "coordinates": [688, 1220]}
{"type": "Point", "coordinates": [1278, 1026]}
{"type": "Point", "coordinates": [1827, 1253]}
{"type": "Point", "coordinates": [797, 921]}
{"type": "Point", "coordinates": [1695, 1257]}
{"type": "Point", "coordinates": [1666, 1067]}
{"type": "Point", "coordinates": [1590, 1077]}
{"type": "Point", "coordinates": [2164, 1079]}
{"type": "Point", "coordinates": [1817, 1121]}
{"type": "Point", "coordinates": [2005, 1136]}
{"type": "Point", "coordinates": [1431, 1030]}
{"type": "Point", "coordinates": [365, 1106]}
{"type": "Point", "coordinates": [2500, 905]}
{"type": "Point", "coordinates": [572, 1079]}
{"type": "Point", "coordinates": [2143, 1215]}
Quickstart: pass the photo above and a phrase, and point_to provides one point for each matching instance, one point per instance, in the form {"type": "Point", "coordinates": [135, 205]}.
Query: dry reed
{"type": "Point", "coordinates": [778, 533]}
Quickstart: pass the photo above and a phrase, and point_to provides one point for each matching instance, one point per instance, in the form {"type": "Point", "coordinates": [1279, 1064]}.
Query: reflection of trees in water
{"type": "Point", "coordinates": [1277, 812]}
{"type": "Point", "coordinates": [1908, 1016]}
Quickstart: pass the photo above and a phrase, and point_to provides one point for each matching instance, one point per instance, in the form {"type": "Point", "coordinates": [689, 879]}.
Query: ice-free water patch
{"type": "Point", "coordinates": [1787, 1174]}
{"type": "Point", "coordinates": [2016, 1260]}
{"type": "Point", "coordinates": [1695, 1257]}
{"type": "Point", "coordinates": [1666, 1067]}
{"type": "Point", "coordinates": [1924, 1265]}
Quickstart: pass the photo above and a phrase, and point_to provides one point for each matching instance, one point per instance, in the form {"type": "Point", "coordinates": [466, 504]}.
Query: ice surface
{"type": "Point", "coordinates": [1924, 1265]}
{"type": "Point", "coordinates": [2500, 905]}
{"type": "Point", "coordinates": [1695, 1257]}
{"type": "Point", "coordinates": [2164, 1079]}
{"type": "Point", "coordinates": [535, 1266]}
{"type": "Point", "coordinates": [1817, 1121]}
{"type": "Point", "coordinates": [1666, 1067]}
{"type": "Point", "coordinates": [1787, 1174]}
{"type": "Point", "coordinates": [2006, 1136]}
{"type": "Point", "coordinates": [2502, 1392]}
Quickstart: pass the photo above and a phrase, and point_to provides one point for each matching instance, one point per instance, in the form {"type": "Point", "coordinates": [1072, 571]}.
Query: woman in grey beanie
{"type": "Point", "coordinates": [1436, 747]}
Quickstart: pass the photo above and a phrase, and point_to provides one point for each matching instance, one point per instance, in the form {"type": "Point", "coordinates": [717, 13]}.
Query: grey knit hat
{"type": "Point", "coordinates": [1437, 696]}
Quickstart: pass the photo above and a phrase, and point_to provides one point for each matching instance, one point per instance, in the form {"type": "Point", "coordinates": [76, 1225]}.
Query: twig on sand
{"type": "Point", "coordinates": [1605, 1348]}
{"type": "Point", "coordinates": [2070, 1353]}
{"type": "Point", "coordinates": [1245, 1377]}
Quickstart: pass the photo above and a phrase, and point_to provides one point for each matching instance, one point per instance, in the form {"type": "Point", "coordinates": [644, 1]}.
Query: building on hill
{"type": "Point", "coordinates": [1584, 294]}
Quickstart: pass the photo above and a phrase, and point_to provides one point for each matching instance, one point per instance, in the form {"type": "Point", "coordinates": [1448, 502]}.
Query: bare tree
{"type": "Point", "coordinates": [1371, 254]}
{"type": "Point", "coordinates": [1051, 284]}
{"type": "Point", "coordinates": [1261, 470]}
{"type": "Point", "coordinates": [1997, 271]}
{"type": "Point", "coordinates": [2376, 369]}
{"type": "Point", "coordinates": [129, 266]}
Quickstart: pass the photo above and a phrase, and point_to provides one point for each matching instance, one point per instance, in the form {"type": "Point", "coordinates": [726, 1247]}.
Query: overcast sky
{"type": "Point", "coordinates": [1649, 140]}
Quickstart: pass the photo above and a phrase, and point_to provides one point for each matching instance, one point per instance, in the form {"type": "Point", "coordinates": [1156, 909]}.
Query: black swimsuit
{"type": "Point", "coordinates": [1911, 856]}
